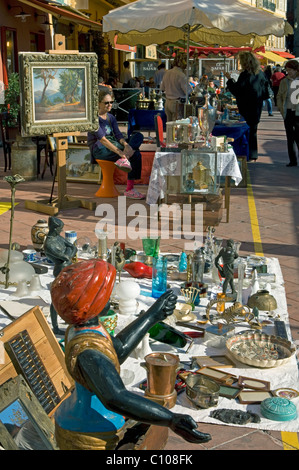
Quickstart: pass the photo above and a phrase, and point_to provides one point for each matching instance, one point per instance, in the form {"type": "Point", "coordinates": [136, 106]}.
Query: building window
{"type": "Point", "coordinates": [37, 42]}
{"type": "Point", "coordinates": [9, 52]}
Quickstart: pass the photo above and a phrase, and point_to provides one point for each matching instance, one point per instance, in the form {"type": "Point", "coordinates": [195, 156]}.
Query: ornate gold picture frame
{"type": "Point", "coordinates": [59, 92]}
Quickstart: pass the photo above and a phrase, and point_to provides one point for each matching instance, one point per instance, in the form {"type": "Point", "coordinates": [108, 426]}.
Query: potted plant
{"type": "Point", "coordinates": [11, 102]}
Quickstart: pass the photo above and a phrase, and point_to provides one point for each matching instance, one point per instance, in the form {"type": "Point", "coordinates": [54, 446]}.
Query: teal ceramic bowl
{"type": "Point", "coordinates": [278, 409]}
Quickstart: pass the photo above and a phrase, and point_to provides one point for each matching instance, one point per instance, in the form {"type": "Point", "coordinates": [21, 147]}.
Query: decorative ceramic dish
{"type": "Point", "coordinates": [278, 409]}
{"type": "Point", "coordinates": [259, 349]}
{"type": "Point", "coordinates": [288, 393]}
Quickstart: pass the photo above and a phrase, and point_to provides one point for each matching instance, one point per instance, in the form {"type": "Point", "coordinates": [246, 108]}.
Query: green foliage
{"type": "Point", "coordinates": [70, 82]}
{"type": "Point", "coordinates": [99, 47]}
{"type": "Point", "coordinates": [12, 96]}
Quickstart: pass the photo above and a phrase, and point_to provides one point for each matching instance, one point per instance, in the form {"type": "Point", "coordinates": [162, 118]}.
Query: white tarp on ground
{"type": "Point", "coordinates": [283, 376]}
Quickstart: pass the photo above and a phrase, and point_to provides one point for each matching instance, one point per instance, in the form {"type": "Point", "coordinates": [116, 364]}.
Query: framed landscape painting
{"type": "Point", "coordinates": [59, 93]}
{"type": "Point", "coordinates": [78, 166]}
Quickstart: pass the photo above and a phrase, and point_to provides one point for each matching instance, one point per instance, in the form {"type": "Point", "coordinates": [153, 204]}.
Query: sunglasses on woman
{"type": "Point", "coordinates": [107, 102]}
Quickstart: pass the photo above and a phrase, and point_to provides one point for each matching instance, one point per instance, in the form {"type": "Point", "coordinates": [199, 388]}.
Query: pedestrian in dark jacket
{"type": "Point", "coordinates": [250, 91]}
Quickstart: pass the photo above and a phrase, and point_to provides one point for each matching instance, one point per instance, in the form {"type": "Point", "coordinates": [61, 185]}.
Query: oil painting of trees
{"type": "Point", "coordinates": [59, 93]}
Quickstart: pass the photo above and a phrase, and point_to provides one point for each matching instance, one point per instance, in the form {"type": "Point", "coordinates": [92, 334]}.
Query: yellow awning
{"type": "Point", "coordinates": [64, 12]}
{"type": "Point", "coordinates": [272, 57]}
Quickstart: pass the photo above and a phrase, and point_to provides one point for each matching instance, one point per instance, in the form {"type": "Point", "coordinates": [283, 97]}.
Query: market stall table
{"type": "Point", "coordinates": [169, 164]}
{"type": "Point", "coordinates": [144, 120]}
{"type": "Point", "coordinates": [239, 131]}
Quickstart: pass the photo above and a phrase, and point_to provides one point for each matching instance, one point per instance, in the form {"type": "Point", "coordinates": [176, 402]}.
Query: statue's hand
{"type": "Point", "coordinates": [164, 306]}
{"type": "Point", "coordinates": [185, 426]}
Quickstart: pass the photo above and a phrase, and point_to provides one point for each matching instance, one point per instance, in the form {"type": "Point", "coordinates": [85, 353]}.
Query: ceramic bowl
{"type": "Point", "coordinates": [259, 349]}
{"type": "Point", "coordinates": [278, 409]}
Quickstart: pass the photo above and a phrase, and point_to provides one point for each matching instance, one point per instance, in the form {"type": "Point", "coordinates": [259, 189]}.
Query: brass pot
{"type": "Point", "coordinates": [202, 391]}
{"type": "Point", "coordinates": [263, 300]}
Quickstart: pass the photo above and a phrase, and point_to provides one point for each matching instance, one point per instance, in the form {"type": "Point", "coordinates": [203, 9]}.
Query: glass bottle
{"type": "Point", "coordinates": [198, 265]}
{"type": "Point", "coordinates": [167, 334]}
{"type": "Point", "coordinates": [159, 277]}
{"type": "Point", "coordinates": [183, 262]}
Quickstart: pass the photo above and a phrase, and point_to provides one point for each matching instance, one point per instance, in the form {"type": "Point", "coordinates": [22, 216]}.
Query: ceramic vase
{"type": "Point", "coordinates": [39, 231]}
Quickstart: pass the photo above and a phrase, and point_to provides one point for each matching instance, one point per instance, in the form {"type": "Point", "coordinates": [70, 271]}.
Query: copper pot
{"type": "Point", "coordinates": [161, 372]}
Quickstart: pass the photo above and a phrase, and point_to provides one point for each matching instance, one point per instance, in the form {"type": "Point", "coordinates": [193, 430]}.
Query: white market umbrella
{"type": "Point", "coordinates": [222, 22]}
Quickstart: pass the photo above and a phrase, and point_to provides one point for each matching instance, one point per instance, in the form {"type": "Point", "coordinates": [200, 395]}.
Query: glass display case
{"type": "Point", "coordinates": [199, 173]}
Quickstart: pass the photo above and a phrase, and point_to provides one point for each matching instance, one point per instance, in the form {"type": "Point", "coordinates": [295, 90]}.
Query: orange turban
{"type": "Point", "coordinates": [81, 290]}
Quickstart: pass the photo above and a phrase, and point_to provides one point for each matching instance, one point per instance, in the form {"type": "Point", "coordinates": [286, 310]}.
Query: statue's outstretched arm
{"type": "Point", "coordinates": [102, 377]}
{"type": "Point", "coordinates": [127, 340]}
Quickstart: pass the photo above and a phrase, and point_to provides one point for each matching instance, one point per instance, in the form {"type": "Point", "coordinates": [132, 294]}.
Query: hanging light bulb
{"type": "Point", "coordinates": [46, 23]}
{"type": "Point", "coordinates": [23, 15]}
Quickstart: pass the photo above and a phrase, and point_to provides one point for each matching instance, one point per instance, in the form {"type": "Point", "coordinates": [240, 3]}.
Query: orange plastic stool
{"type": "Point", "coordinates": [107, 188]}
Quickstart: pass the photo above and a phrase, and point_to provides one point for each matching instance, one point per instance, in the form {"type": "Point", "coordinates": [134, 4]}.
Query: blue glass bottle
{"type": "Point", "coordinates": [183, 262]}
{"type": "Point", "coordinates": [159, 279]}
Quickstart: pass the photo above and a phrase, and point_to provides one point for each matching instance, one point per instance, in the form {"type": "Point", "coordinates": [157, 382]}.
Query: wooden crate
{"type": "Point", "coordinates": [46, 346]}
{"type": "Point", "coordinates": [212, 211]}
{"type": "Point", "coordinates": [141, 436]}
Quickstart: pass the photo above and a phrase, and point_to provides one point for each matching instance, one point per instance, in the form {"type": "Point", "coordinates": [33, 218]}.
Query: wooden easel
{"type": "Point", "coordinates": [63, 201]}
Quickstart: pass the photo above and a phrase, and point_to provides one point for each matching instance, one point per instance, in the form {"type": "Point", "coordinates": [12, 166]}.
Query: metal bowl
{"type": "Point", "coordinates": [202, 391]}
{"type": "Point", "coordinates": [259, 349]}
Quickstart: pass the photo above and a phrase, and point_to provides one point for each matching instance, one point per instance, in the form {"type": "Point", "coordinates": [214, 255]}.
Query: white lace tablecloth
{"type": "Point", "coordinates": [169, 163]}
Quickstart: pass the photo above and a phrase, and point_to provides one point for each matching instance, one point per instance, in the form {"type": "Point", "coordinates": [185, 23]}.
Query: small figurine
{"type": "Point", "coordinates": [228, 255]}
{"type": "Point", "coordinates": [61, 252]}
{"type": "Point", "coordinates": [119, 259]}
{"type": "Point", "coordinates": [93, 417]}
{"type": "Point", "coordinates": [255, 312]}
{"type": "Point", "coordinates": [127, 292]}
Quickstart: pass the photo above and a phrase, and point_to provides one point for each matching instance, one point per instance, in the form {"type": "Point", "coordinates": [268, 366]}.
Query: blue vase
{"type": "Point", "coordinates": [159, 279]}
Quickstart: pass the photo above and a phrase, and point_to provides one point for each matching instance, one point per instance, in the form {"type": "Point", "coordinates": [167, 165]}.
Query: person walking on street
{"type": "Point", "coordinates": [126, 76]}
{"type": "Point", "coordinates": [159, 74]}
{"type": "Point", "coordinates": [250, 90]}
{"type": "Point", "coordinates": [288, 105]}
{"type": "Point", "coordinates": [276, 78]}
{"type": "Point", "coordinates": [175, 86]}
{"type": "Point", "coordinates": [268, 102]}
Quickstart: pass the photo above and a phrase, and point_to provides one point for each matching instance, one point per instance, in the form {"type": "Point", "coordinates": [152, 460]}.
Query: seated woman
{"type": "Point", "coordinates": [108, 143]}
